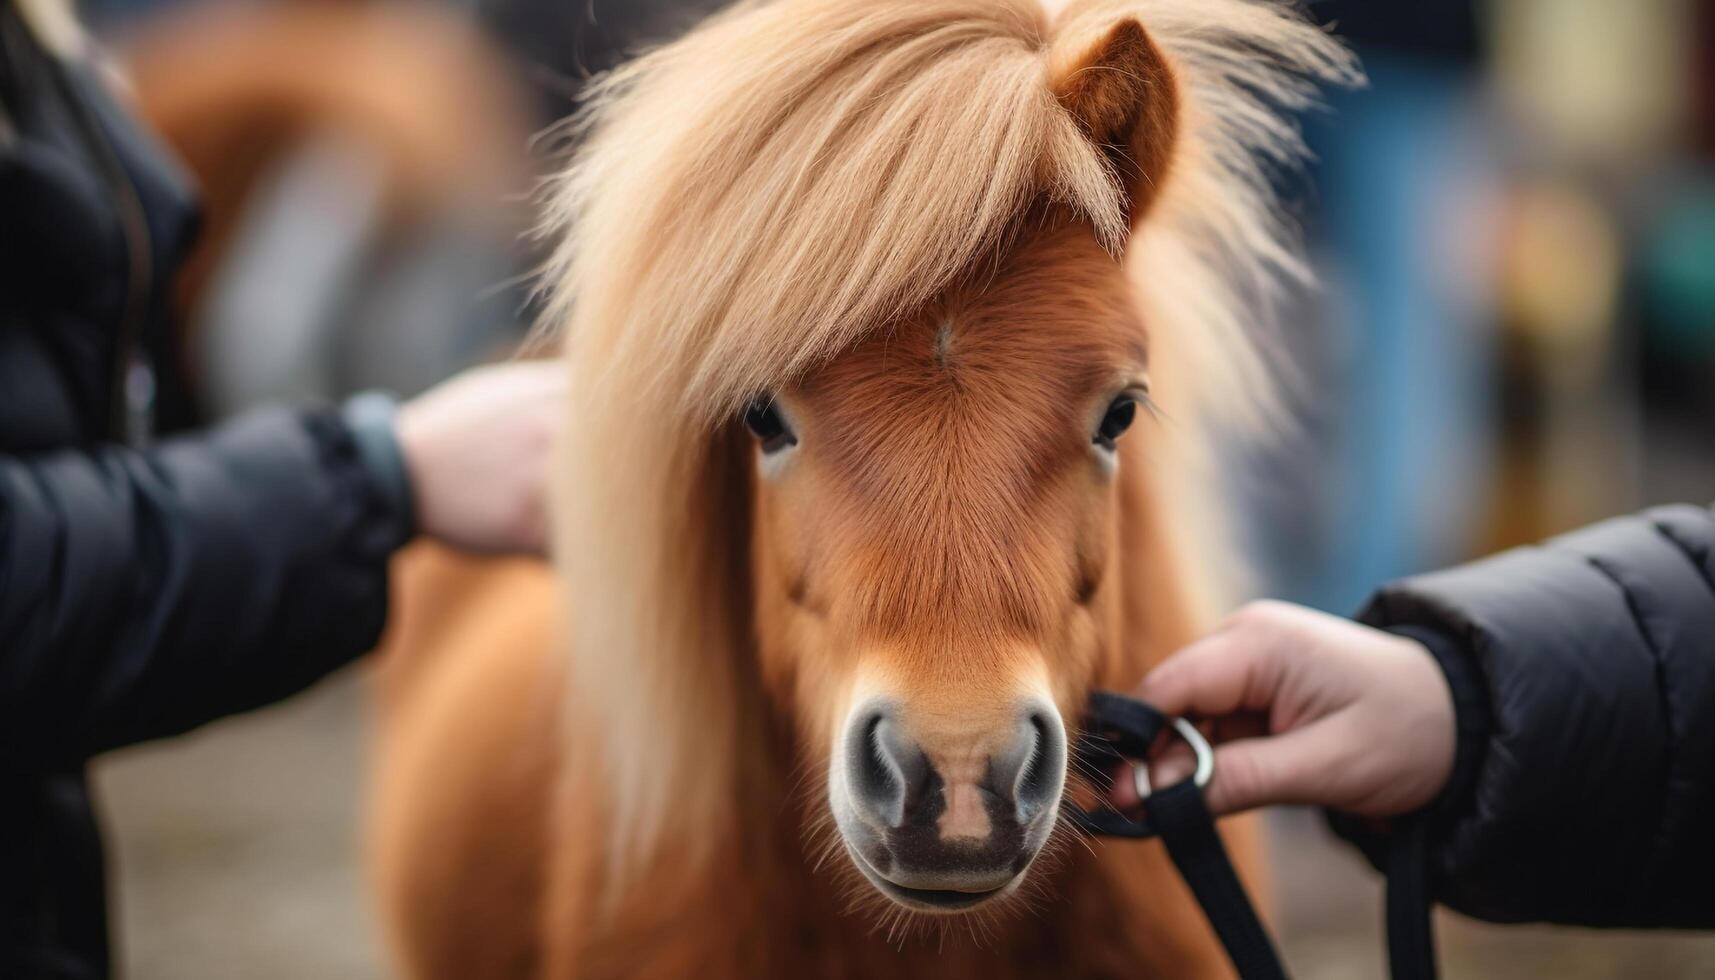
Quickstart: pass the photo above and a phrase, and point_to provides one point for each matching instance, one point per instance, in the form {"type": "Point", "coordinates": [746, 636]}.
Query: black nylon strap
{"type": "Point", "coordinates": [1119, 728]}
{"type": "Point", "coordinates": [1188, 829]}
{"type": "Point", "coordinates": [1410, 931]}
{"type": "Point", "coordinates": [1116, 729]}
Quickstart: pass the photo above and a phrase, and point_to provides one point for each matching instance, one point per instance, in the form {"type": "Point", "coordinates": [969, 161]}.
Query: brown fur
{"type": "Point", "coordinates": [489, 874]}
{"type": "Point", "coordinates": [226, 86]}
{"type": "Point", "coordinates": [922, 275]}
{"type": "Point", "coordinates": [484, 874]}
{"type": "Point", "coordinates": [1124, 95]}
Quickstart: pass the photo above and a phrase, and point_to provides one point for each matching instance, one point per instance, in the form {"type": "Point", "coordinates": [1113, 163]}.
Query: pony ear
{"type": "Point", "coordinates": [1123, 93]}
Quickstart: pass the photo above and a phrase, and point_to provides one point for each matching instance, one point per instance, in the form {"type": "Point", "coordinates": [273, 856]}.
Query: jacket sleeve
{"type": "Point", "coordinates": [143, 593]}
{"type": "Point", "coordinates": [1587, 794]}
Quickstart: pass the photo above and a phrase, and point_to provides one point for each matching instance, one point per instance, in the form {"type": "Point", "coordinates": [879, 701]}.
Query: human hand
{"type": "Point", "coordinates": [1307, 708]}
{"type": "Point", "coordinates": [477, 449]}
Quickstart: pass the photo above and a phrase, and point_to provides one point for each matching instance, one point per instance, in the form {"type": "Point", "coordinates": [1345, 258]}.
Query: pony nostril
{"type": "Point", "coordinates": [1043, 770]}
{"type": "Point", "coordinates": [886, 768]}
{"type": "Point", "coordinates": [872, 778]}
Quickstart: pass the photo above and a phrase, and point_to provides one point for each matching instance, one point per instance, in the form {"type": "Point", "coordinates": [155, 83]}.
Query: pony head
{"type": "Point", "coordinates": [869, 306]}
{"type": "Point", "coordinates": [934, 520]}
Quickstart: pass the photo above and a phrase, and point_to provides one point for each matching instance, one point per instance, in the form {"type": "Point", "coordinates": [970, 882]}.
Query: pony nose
{"type": "Point", "coordinates": [890, 775]}
{"type": "Point", "coordinates": [897, 784]}
{"type": "Point", "coordinates": [1035, 769]}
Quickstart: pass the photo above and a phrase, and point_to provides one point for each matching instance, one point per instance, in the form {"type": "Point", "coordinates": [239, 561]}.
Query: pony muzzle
{"type": "Point", "coordinates": [943, 818]}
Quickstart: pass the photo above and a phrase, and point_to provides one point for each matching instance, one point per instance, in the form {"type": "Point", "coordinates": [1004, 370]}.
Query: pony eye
{"type": "Point", "coordinates": [764, 422]}
{"type": "Point", "coordinates": [1119, 417]}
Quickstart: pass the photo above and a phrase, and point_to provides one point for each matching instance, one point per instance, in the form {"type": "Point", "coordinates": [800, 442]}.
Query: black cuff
{"type": "Point", "coordinates": [371, 417]}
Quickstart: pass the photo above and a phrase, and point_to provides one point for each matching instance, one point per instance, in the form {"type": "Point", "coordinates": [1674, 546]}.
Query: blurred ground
{"type": "Point", "coordinates": [235, 850]}
{"type": "Point", "coordinates": [236, 854]}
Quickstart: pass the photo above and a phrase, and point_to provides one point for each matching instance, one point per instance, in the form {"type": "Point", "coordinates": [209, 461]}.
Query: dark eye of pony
{"type": "Point", "coordinates": [764, 422]}
{"type": "Point", "coordinates": [1120, 415]}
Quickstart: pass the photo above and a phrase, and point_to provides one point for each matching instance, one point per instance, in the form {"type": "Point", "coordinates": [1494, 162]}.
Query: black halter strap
{"type": "Point", "coordinates": [1120, 728]}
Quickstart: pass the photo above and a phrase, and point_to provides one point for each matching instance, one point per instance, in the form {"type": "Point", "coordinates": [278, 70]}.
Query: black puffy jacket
{"type": "Point", "coordinates": [1583, 672]}
{"type": "Point", "coordinates": [143, 591]}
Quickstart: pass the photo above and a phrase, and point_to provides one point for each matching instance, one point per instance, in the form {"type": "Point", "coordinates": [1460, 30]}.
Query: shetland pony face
{"type": "Point", "coordinates": [934, 517]}
{"type": "Point", "coordinates": [895, 230]}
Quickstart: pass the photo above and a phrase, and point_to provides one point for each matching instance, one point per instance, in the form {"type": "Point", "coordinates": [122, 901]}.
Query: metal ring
{"type": "Point", "coordinates": [1204, 772]}
{"type": "Point", "coordinates": [1140, 779]}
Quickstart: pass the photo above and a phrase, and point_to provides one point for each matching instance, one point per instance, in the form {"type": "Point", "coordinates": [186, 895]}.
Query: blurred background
{"type": "Point", "coordinates": [1514, 224]}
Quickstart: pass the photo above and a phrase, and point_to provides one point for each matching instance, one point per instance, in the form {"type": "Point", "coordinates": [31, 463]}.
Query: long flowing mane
{"type": "Point", "coordinates": [756, 197]}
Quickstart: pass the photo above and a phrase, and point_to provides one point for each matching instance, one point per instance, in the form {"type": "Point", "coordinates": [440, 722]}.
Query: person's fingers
{"type": "Point", "coordinates": [1305, 765]}
{"type": "Point", "coordinates": [1176, 760]}
{"type": "Point", "coordinates": [1239, 724]}
{"type": "Point", "coordinates": [1173, 764]}
{"type": "Point", "coordinates": [1226, 671]}
{"type": "Point", "coordinates": [1293, 767]}
{"type": "Point", "coordinates": [1249, 773]}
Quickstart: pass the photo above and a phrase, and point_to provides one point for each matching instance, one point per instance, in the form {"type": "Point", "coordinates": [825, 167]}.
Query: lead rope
{"type": "Point", "coordinates": [1410, 931]}
{"type": "Point", "coordinates": [1120, 728]}
{"type": "Point", "coordinates": [1187, 827]}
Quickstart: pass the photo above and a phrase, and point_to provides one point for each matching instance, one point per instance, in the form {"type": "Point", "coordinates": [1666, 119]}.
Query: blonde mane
{"type": "Point", "coordinates": [756, 197]}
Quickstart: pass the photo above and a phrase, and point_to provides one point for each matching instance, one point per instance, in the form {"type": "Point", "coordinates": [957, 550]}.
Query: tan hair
{"type": "Point", "coordinates": [759, 195]}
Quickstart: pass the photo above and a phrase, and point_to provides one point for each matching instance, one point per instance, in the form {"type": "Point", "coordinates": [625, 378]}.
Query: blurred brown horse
{"type": "Point", "coordinates": [849, 519]}
{"type": "Point", "coordinates": [236, 90]}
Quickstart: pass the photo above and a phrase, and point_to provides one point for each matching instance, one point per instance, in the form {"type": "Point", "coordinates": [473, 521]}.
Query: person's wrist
{"type": "Point", "coordinates": [1470, 711]}
{"type": "Point", "coordinates": [372, 417]}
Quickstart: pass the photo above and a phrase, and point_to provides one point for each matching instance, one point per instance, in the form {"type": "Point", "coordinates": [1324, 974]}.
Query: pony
{"type": "Point", "coordinates": [900, 332]}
